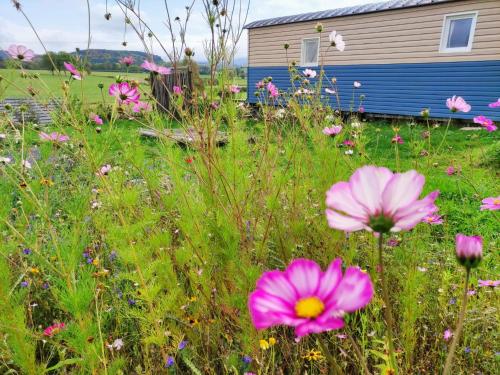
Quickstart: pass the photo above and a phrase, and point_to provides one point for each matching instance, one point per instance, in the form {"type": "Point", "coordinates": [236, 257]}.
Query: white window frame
{"type": "Point", "coordinates": [445, 33]}
{"type": "Point", "coordinates": [302, 62]}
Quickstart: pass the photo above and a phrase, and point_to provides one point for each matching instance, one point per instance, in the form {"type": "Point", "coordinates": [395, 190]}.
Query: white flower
{"type": "Point", "coordinates": [3, 136]}
{"type": "Point", "coordinates": [349, 152]}
{"type": "Point", "coordinates": [117, 344]}
{"type": "Point", "coordinates": [337, 41]}
{"type": "Point", "coordinates": [309, 73]}
{"type": "Point", "coordinates": [26, 164]}
{"type": "Point", "coordinates": [330, 91]}
{"type": "Point", "coordinates": [5, 159]}
{"type": "Point", "coordinates": [357, 84]}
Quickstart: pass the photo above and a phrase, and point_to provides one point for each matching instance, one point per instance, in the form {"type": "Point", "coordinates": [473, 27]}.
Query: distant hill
{"type": "Point", "coordinates": [106, 56]}
{"type": "Point", "coordinates": [3, 55]}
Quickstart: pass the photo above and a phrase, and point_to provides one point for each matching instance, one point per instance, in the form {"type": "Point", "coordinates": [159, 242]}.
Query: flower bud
{"type": "Point", "coordinates": [286, 46]}
{"type": "Point", "coordinates": [425, 113]}
{"type": "Point", "coordinates": [107, 16]}
{"type": "Point", "coordinates": [188, 52]}
{"type": "Point", "coordinates": [319, 27]}
{"type": "Point", "coordinates": [469, 250]}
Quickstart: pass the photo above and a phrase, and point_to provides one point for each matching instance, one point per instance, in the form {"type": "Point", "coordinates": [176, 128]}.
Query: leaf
{"type": "Point", "coordinates": [69, 361]}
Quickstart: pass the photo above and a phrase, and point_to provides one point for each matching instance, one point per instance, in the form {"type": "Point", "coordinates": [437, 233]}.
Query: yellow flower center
{"type": "Point", "coordinates": [309, 307]}
{"type": "Point", "coordinates": [496, 201]}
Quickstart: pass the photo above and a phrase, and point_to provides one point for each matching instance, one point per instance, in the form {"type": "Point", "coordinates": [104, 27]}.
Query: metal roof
{"type": "Point", "coordinates": [341, 12]}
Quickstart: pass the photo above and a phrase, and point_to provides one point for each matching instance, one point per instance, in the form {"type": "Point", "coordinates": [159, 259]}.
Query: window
{"type": "Point", "coordinates": [309, 52]}
{"type": "Point", "coordinates": [458, 32]}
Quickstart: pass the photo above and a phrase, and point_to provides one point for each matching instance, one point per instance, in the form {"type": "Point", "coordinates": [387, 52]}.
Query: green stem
{"type": "Point", "coordinates": [334, 367]}
{"type": "Point", "coordinates": [388, 310]}
{"type": "Point", "coordinates": [360, 356]}
{"type": "Point", "coordinates": [458, 330]}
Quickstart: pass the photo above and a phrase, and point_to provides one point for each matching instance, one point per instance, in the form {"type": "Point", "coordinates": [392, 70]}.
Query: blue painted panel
{"type": "Point", "coordinates": [404, 89]}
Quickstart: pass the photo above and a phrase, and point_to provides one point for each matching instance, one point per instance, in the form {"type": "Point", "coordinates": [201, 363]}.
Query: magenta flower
{"type": "Point", "coordinates": [334, 130]}
{"type": "Point", "coordinates": [486, 122]}
{"type": "Point", "coordinates": [469, 250]}
{"type": "Point", "coordinates": [104, 170]}
{"type": "Point", "coordinates": [20, 53]}
{"type": "Point", "coordinates": [124, 93]}
{"type": "Point", "coordinates": [260, 85]}
{"type": "Point", "coordinates": [96, 119]}
{"type": "Point", "coordinates": [152, 67]}
{"type": "Point", "coordinates": [177, 90]}
{"type": "Point", "coordinates": [375, 199]}
{"type": "Point", "coordinates": [309, 73]}
{"type": "Point", "coordinates": [54, 137]}
{"type": "Point", "coordinates": [127, 60]}
{"type": "Point", "coordinates": [357, 84]}
{"type": "Point", "coordinates": [272, 90]}
{"type": "Point", "coordinates": [397, 139]}
{"type": "Point", "coordinates": [495, 104]}
{"type": "Point", "coordinates": [53, 329]}
{"type": "Point", "coordinates": [457, 104]}
{"type": "Point", "coordinates": [361, 109]}
{"type": "Point", "coordinates": [488, 283]}
{"type": "Point", "coordinates": [74, 72]}
{"type": "Point", "coordinates": [447, 335]}
{"type": "Point", "coordinates": [142, 107]}
{"type": "Point", "coordinates": [450, 171]}
{"type": "Point", "coordinates": [234, 89]}
{"type": "Point", "coordinates": [491, 204]}
{"type": "Point", "coordinates": [348, 143]}
{"type": "Point", "coordinates": [433, 219]}
{"type": "Point", "coordinates": [308, 299]}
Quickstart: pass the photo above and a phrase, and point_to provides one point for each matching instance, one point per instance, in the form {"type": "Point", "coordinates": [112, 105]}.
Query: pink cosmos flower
{"type": "Point", "coordinates": [348, 143]}
{"type": "Point", "coordinates": [20, 53]}
{"type": "Point", "coordinates": [104, 170]}
{"type": "Point", "coordinates": [142, 107]}
{"type": "Point", "coordinates": [309, 73]}
{"type": "Point", "coordinates": [54, 137]}
{"type": "Point", "coordinates": [303, 92]}
{"type": "Point", "coordinates": [433, 219]}
{"type": "Point", "coordinates": [124, 93]}
{"type": "Point", "coordinates": [334, 130]}
{"type": "Point", "coordinates": [308, 299]}
{"type": "Point", "coordinates": [486, 122]}
{"type": "Point", "coordinates": [357, 84]}
{"type": "Point", "coordinates": [127, 60]}
{"type": "Point", "coordinates": [469, 249]}
{"type": "Point", "coordinates": [491, 204]}
{"type": "Point", "coordinates": [361, 109]}
{"type": "Point", "coordinates": [495, 104]}
{"type": "Point", "coordinates": [234, 89]}
{"type": "Point", "coordinates": [450, 171]}
{"type": "Point", "coordinates": [397, 139]}
{"type": "Point", "coordinates": [53, 329]}
{"type": "Point", "coordinates": [330, 91]}
{"type": "Point", "coordinates": [488, 283]}
{"type": "Point", "coordinates": [177, 90]}
{"type": "Point", "coordinates": [457, 104]}
{"type": "Point", "coordinates": [272, 90]}
{"type": "Point", "coordinates": [376, 199]}
{"type": "Point", "coordinates": [74, 72]}
{"type": "Point", "coordinates": [337, 41]}
{"type": "Point", "coordinates": [96, 119]}
{"type": "Point", "coordinates": [152, 67]}
{"type": "Point", "coordinates": [260, 85]}
{"type": "Point", "coordinates": [447, 335]}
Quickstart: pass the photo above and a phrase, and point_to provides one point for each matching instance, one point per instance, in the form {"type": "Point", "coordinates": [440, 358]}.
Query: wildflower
{"type": "Point", "coordinates": [124, 93]}
{"type": "Point", "coordinates": [349, 152]}
{"type": "Point", "coordinates": [375, 199]}
{"type": "Point", "coordinates": [341, 336]}
{"type": "Point", "coordinates": [457, 104]}
{"type": "Point", "coordinates": [264, 344]}
{"type": "Point", "coordinates": [24, 284]}
{"type": "Point", "coordinates": [452, 301]}
{"type": "Point", "coordinates": [471, 292]}
{"type": "Point", "coordinates": [131, 302]}
{"type": "Point", "coordinates": [308, 299]}
{"type": "Point", "coordinates": [260, 85]}
{"type": "Point", "coordinates": [272, 90]}
{"type": "Point", "coordinates": [142, 107]}
{"type": "Point", "coordinates": [393, 242]}
{"type": "Point", "coordinates": [27, 251]}
{"type": "Point", "coordinates": [153, 68]}
{"type": "Point", "coordinates": [188, 52]}
{"type": "Point", "coordinates": [182, 344]}
{"type": "Point", "coordinates": [447, 335]}
{"type": "Point", "coordinates": [489, 283]}
{"type": "Point", "coordinates": [272, 341]}
{"type": "Point", "coordinates": [5, 159]}
{"type": "Point", "coordinates": [74, 72]}
{"type": "Point", "coordinates": [334, 130]}
{"type": "Point", "coordinates": [20, 53]}
{"type": "Point", "coordinates": [466, 350]}
{"type": "Point", "coordinates": [397, 139]}
{"type": "Point", "coordinates": [433, 219]}
{"type": "Point", "coordinates": [313, 355]}
{"type": "Point", "coordinates": [450, 171]}
{"type": "Point", "coordinates": [330, 91]}
{"type": "Point", "coordinates": [356, 84]}
{"type": "Point", "coordinates": [127, 60]}
{"type": "Point", "coordinates": [421, 269]}
{"type": "Point", "coordinates": [309, 73]}
{"type": "Point", "coordinates": [104, 170]}
{"type": "Point", "coordinates": [426, 134]}
{"type": "Point", "coordinates": [348, 143]}
{"type": "Point", "coordinates": [177, 90]}
{"type": "Point", "coordinates": [234, 89]}
{"type": "Point", "coordinates": [425, 113]}
{"type": "Point", "coordinates": [54, 137]}
{"type": "Point", "coordinates": [469, 250]}
{"type": "Point", "coordinates": [491, 204]}
{"type": "Point", "coordinates": [495, 104]}
{"type": "Point", "coordinates": [117, 345]}
{"type": "Point", "coordinates": [247, 359]}
{"type": "Point", "coordinates": [170, 362]}
{"type": "Point", "coordinates": [488, 124]}
{"type": "Point", "coordinates": [319, 27]}
{"type": "Point", "coordinates": [26, 164]}
{"type": "Point", "coordinates": [361, 109]}
{"type": "Point", "coordinates": [337, 41]}
{"type": "Point", "coordinates": [96, 119]}
{"type": "Point", "coordinates": [53, 329]}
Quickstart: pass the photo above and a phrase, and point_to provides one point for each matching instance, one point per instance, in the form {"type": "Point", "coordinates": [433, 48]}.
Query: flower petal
{"type": "Point", "coordinates": [330, 279]}
{"type": "Point", "coordinates": [267, 310]}
{"type": "Point", "coordinates": [342, 222]}
{"type": "Point", "coordinates": [304, 275]}
{"type": "Point", "coordinates": [367, 185]}
{"type": "Point", "coordinates": [340, 198]}
{"type": "Point", "coordinates": [313, 326]}
{"type": "Point", "coordinates": [276, 283]}
{"type": "Point", "coordinates": [402, 190]}
{"type": "Point", "coordinates": [353, 292]}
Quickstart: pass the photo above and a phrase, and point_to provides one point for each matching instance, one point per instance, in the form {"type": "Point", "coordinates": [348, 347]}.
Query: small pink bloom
{"type": "Point", "coordinates": [433, 219]}
{"type": "Point", "coordinates": [341, 336]}
{"type": "Point", "coordinates": [357, 84]}
{"type": "Point", "coordinates": [96, 119]}
{"type": "Point", "coordinates": [334, 130]}
{"type": "Point", "coordinates": [124, 93]}
{"type": "Point", "coordinates": [272, 90]}
{"type": "Point", "coordinates": [177, 90]}
{"type": "Point", "coordinates": [234, 89]}
{"type": "Point", "coordinates": [488, 283]}
{"type": "Point", "coordinates": [330, 91]}
{"type": "Point", "coordinates": [20, 53]}
{"type": "Point", "coordinates": [361, 109]}
{"type": "Point", "coordinates": [127, 60]}
{"type": "Point", "coordinates": [308, 299]}
{"type": "Point", "coordinates": [54, 137]}
{"type": "Point", "coordinates": [457, 104]}
{"type": "Point", "coordinates": [214, 105]}
{"type": "Point", "coordinates": [486, 122]}
{"type": "Point", "coordinates": [74, 72]}
{"type": "Point", "coordinates": [309, 73]}
{"type": "Point", "coordinates": [495, 104]}
{"type": "Point", "coordinates": [142, 107]}
{"type": "Point", "coordinates": [53, 329]}
{"type": "Point", "coordinates": [397, 139]}
{"type": "Point", "coordinates": [471, 292]}
{"type": "Point", "coordinates": [376, 199]}
{"type": "Point", "coordinates": [104, 170]}
{"type": "Point", "coordinates": [469, 249]}
{"type": "Point", "coordinates": [447, 335]}
{"type": "Point", "coordinates": [450, 171]}
{"type": "Point", "coordinates": [348, 143]}
{"type": "Point", "coordinates": [491, 204]}
{"type": "Point", "coordinates": [393, 242]}
{"type": "Point", "coordinates": [260, 85]}
{"type": "Point", "coordinates": [152, 67]}
{"type": "Point", "coordinates": [303, 92]}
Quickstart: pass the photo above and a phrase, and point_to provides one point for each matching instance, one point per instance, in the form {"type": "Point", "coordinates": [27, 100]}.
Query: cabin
{"type": "Point", "coordinates": [407, 54]}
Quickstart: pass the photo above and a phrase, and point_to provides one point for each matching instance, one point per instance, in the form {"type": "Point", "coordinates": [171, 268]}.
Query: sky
{"type": "Point", "coordinates": [63, 24]}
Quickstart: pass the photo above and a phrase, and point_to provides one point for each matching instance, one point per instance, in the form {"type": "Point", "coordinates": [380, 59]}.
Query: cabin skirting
{"type": "Point", "coordinates": [403, 89]}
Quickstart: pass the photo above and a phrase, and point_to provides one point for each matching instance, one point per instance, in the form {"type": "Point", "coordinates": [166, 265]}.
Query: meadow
{"type": "Point", "coordinates": [313, 241]}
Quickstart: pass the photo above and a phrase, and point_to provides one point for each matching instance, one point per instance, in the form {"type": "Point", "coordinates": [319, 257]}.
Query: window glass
{"type": "Point", "coordinates": [459, 32]}
{"type": "Point", "coordinates": [310, 51]}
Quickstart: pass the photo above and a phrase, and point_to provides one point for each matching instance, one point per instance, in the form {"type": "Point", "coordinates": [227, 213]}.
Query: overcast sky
{"type": "Point", "coordinates": [62, 24]}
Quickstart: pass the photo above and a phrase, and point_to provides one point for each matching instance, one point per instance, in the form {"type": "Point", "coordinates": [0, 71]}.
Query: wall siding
{"type": "Point", "coordinates": [404, 89]}
{"type": "Point", "coordinates": [397, 36]}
